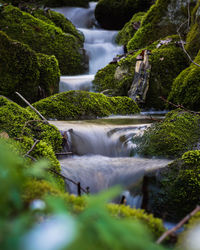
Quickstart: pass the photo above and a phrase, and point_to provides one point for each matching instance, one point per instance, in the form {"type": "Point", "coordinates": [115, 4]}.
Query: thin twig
{"type": "Point", "coordinates": [34, 109]}
{"type": "Point", "coordinates": [70, 180]}
{"type": "Point", "coordinates": [182, 44]}
{"type": "Point", "coordinates": [179, 225]}
{"type": "Point", "coordinates": [179, 106]}
{"type": "Point", "coordinates": [35, 143]}
{"type": "Point", "coordinates": [31, 157]}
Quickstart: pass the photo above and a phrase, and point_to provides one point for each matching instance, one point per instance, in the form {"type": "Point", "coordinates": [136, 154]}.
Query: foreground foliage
{"type": "Point", "coordinates": [27, 195]}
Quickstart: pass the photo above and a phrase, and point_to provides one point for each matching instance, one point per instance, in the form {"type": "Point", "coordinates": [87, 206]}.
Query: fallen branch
{"type": "Point", "coordinates": [179, 225]}
{"type": "Point", "coordinates": [28, 153]}
{"type": "Point", "coordinates": [34, 109]}
{"type": "Point", "coordinates": [179, 106]}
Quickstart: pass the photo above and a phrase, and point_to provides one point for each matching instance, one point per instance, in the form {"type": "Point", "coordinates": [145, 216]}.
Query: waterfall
{"type": "Point", "coordinates": [99, 45]}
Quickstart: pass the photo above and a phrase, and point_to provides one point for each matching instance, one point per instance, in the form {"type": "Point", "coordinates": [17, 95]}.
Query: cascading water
{"type": "Point", "coordinates": [102, 152]}
{"type": "Point", "coordinates": [101, 148]}
{"type": "Point", "coordinates": [99, 45]}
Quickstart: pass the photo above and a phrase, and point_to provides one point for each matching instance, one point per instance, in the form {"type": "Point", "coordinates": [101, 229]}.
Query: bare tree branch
{"type": "Point", "coordinates": [34, 109]}
{"type": "Point", "coordinates": [179, 225]}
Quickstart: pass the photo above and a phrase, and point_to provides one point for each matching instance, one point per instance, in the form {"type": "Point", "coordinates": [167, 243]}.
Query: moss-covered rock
{"type": "Point", "coordinates": [49, 75]}
{"type": "Point", "coordinates": [129, 29]}
{"type": "Point", "coordinates": [43, 38]}
{"type": "Point", "coordinates": [19, 122]}
{"type": "Point", "coordinates": [23, 70]}
{"type": "Point", "coordinates": [26, 127]}
{"type": "Point", "coordinates": [186, 87]}
{"type": "Point", "coordinates": [113, 14]}
{"type": "Point", "coordinates": [59, 20]}
{"type": "Point", "coordinates": [193, 36]}
{"type": "Point", "coordinates": [166, 61]}
{"type": "Point", "coordinates": [82, 104]}
{"type": "Point", "coordinates": [175, 135]}
{"type": "Point", "coordinates": [178, 187]}
{"type": "Point", "coordinates": [154, 224]}
{"type": "Point", "coordinates": [162, 19]}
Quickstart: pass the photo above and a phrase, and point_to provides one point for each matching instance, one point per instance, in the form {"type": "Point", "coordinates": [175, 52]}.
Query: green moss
{"type": "Point", "coordinates": [176, 134]}
{"type": "Point", "coordinates": [23, 70]}
{"type": "Point", "coordinates": [116, 77]}
{"type": "Point", "coordinates": [193, 40]}
{"type": "Point", "coordinates": [59, 20]}
{"type": "Point", "coordinates": [161, 20]}
{"type": "Point", "coordinates": [38, 189]}
{"type": "Point", "coordinates": [49, 75]}
{"type": "Point", "coordinates": [179, 187]}
{"type": "Point", "coordinates": [19, 69]}
{"type": "Point", "coordinates": [186, 88]}
{"type": "Point", "coordinates": [43, 38]}
{"type": "Point", "coordinates": [166, 63]}
{"type": "Point", "coordinates": [83, 105]}
{"type": "Point", "coordinates": [128, 30]}
{"type": "Point", "coordinates": [154, 224]}
{"type": "Point", "coordinates": [113, 14]}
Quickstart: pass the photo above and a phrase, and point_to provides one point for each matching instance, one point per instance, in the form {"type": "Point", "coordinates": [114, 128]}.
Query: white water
{"type": "Point", "coordinates": [99, 45]}
{"type": "Point", "coordinates": [102, 156]}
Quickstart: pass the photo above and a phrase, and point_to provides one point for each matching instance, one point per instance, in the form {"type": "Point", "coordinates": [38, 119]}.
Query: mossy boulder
{"type": "Point", "coordinates": [178, 187]}
{"type": "Point", "coordinates": [32, 74]}
{"type": "Point", "coordinates": [186, 87]}
{"type": "Point", "coordinates": [26, 127]}
{"type": "Point", "coordinates": [162, 19]}
{"type": "Point", "coordinates": [193, 36]}
{"type": "Point", "coordinates": [172, 137]}
{"type": "Point", "coordinates": [74, 105]}
{"type": "Point", "coordinates": [113, 14]}
{"type": "Point", "coordinates": [129, 29]}
{"type": "Point", "coordinates": [166, 61]}
{"type": "Point", "coordinates": [19, 122]}
{"type": "Point", "coordinates": [44, 38]}
{"type": "Point", "coordinates": [57, 19]}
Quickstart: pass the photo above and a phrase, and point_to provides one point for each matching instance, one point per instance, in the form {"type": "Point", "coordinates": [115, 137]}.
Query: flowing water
{"type": "Point", "coordinates": [102, 148]}
{"type": "Point", "coordinates": [99, 45]}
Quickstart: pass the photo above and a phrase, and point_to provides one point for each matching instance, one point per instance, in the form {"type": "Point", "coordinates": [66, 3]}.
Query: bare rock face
{"type": "Point", "coordinates": [140, 83]}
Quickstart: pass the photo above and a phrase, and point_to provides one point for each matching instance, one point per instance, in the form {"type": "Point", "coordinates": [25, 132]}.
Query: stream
{"type": "Point", "coordinates": [102, 149]}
